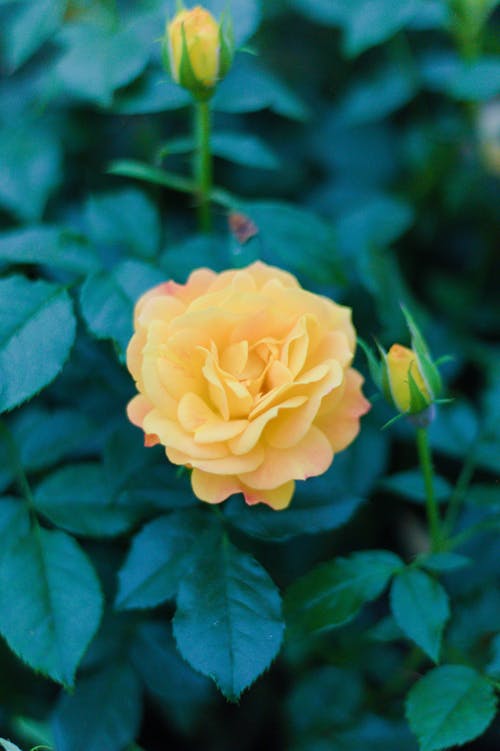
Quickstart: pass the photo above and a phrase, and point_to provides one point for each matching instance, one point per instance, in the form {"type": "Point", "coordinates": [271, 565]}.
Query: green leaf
{"type": "Point", "coordinates": [45, 436]}
{"type": "Point", "coordinates": [420, 606]}
{"type": "Point", "coordinates": [125, 219]}
{"type": "Point", "coordinates": [323, 700]}
{"type": "Point", "coordinates": [325, 12]}
{"type": "Point", "coordinates": [140, 478]}
{"type": "Point", "coordinates": [333, 593]}
{"type": "Point", "coordinates": [155, 175]}
{"type": "Point", "coordinates": [245, 149]}
{"type": "Point", "coordinates": [367, 24]}
{"type": "Point", "coordinates": [79, 498]}
{"type": "Point", "coordinates": [36, 335]}
{"type": "Point", "coordinates": [50, 602]}
{"type": "Point", "coordinates": [48, 246]}
{"type": "Point", "coordinates": [296, 238]}
{"type": "Point", "coordinates": [450, 706]}
{"type": "Point", "coordinates": [376, 223]}
{"type": "Point", "coordinates": [14, 519]}
{"type": "Point", "coordinates": [493, 667]}
{"type": "Point", "coordinates": [152, 92]}
{"type": "Point", "coordinates": [30, 27]}
{"type": "Point", "coordinates": [322, 503]}
{"type": "Point", "coordinates": [249, 87]}
{"type": "Point", "coordinates": [108, 298]}
{"type": "Point", "coordinates": [484, 497]}
{"type": "Point", "coordinates": [455, 431]}
{"type": "Point", "coordinates": [184, 694]}
{"type": "Point", "coordinates": [104, 712]}
{"type": "Point", "coordinates": [409, 484]}
{"type": "Point", "coordinates": [444, 562]}
{"type": "Point", "coordinates": [200, 250]}
{"type": "Point", "coordinates": [473, 81]}
{"type": "Point", "coordinates": [228, 620]}
{"type": "Point", "coordinates": [376, 97]}
{"type": "Point", "coordinates": [307, 515]}
{"type": "Point", "coordinates": [31, 168]}
{"type": "Point", "coordinates": [160, 555]}
{"type": "Point", "coordinates": [97, 60]}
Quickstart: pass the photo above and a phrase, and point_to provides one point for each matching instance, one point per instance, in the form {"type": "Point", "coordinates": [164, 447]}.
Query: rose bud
{"type": "Point", "coordinates": [198, 50]}
{"type": "Point", "coordinates": [407, 388]}
{"type": "Point", "coordinates": [408, 378]}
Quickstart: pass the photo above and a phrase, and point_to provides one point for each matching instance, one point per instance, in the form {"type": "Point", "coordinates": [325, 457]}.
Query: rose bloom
{"type": "Point", "coordinates": [245, 377]}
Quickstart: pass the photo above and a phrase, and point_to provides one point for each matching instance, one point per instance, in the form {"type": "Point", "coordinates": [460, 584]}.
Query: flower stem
{"type": "Point", "coordinates": [424, 455]}
{"type": "Point", "coordinates": [203, 165]}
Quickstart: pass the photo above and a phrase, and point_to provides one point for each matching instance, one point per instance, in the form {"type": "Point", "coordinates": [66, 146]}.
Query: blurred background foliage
{"type": "Point", "coordinates": [362, 138]}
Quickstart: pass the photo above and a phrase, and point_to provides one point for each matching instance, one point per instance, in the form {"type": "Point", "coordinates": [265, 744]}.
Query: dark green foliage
{"type": "Point", "coordinates": [57, 604]}
{"type": "Point", "coordinates": [420, 607]}
{"type": "Point", "coordinates": [450, 705]}
{"type": "Point", "coordinates": [228, 620]}
{"type": "Point", "coordinates": [359, 141]}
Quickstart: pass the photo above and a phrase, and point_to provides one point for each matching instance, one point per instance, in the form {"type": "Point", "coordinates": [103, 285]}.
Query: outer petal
{"type": "Point", "coordinates": [137, 409]}
{"type": "Point", "coordinates": [310, 457]}
{"type": "Point", "coordinates": [341, 424]}
{"type": "Point", "coordinates": [213, 488]}
{"type": "Point", "coordinates": [277, 498]}
{"type": "Point", "coordinates": [228, 465]}
{"type": "Point", "coordinates": [173, 436]}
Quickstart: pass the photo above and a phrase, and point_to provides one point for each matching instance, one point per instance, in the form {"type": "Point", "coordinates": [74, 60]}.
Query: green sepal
{"type": "Point", "coordinates": [392, 421]}
{"type": "Point", "coordinates": [428, 369]}
{"type": "Point", "coordinates": [165, 54]}
{"type": "Point", "coordinates": [226, 45]}
{"type": "Point", "coordinates": [385, 383]}
{"type": "Point", "coordinates": [418, 401]}
{"type": "Point", "coordinates": [373, 365]}
{"type": "Point", "coordinates": [444, 359]}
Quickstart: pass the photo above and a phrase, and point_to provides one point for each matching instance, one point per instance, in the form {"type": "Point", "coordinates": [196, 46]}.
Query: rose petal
{"type": "Point", "coordinates": [250, 436]}
{"type": "Point", "coordinates": [213, 488]}
{"type": "Point", "coordinates": [193, 412]}
{"type": "Point", "coordinates": [310, 457]}
{"type": "Point", "coordinates": [137, 409]}
{"type": "Point", "coordinates": [341, 423]}
{"type": "Point", "coordinates": [228, 465]}
{"type": "Point", "coordinates": [277, 498]}
{"type": "Point", "coordinates": [173, 436]}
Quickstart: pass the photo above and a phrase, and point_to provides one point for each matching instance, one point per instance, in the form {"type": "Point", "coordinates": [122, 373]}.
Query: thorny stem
{"type": "Point", "coordinates": [425, 458]}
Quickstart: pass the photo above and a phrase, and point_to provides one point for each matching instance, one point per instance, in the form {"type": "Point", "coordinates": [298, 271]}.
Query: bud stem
{"type": "Point", "coordinates": [203, 165]}
{"type": "Point", "coordinates": [425, 458]}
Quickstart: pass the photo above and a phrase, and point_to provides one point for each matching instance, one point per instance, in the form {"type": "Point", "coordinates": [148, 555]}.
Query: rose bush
{"type": "Point", "coordinates": [245, 377]}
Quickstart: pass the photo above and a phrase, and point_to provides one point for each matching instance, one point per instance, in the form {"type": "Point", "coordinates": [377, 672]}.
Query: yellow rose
{"type": "Point", "coordinates": [198, 50]}
{"type": "Point", "coordinates": [245, 377]}
{"type": "Point", "coordinates": [401, 362]}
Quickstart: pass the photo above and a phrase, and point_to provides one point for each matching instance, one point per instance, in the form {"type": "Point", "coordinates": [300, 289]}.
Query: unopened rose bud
{"type": "Point", "coordinates": [406, 385]}
{"type": "Point", "coordinates": [408, 378]}
{"type": "Point", "coordinates": [198, 50]}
